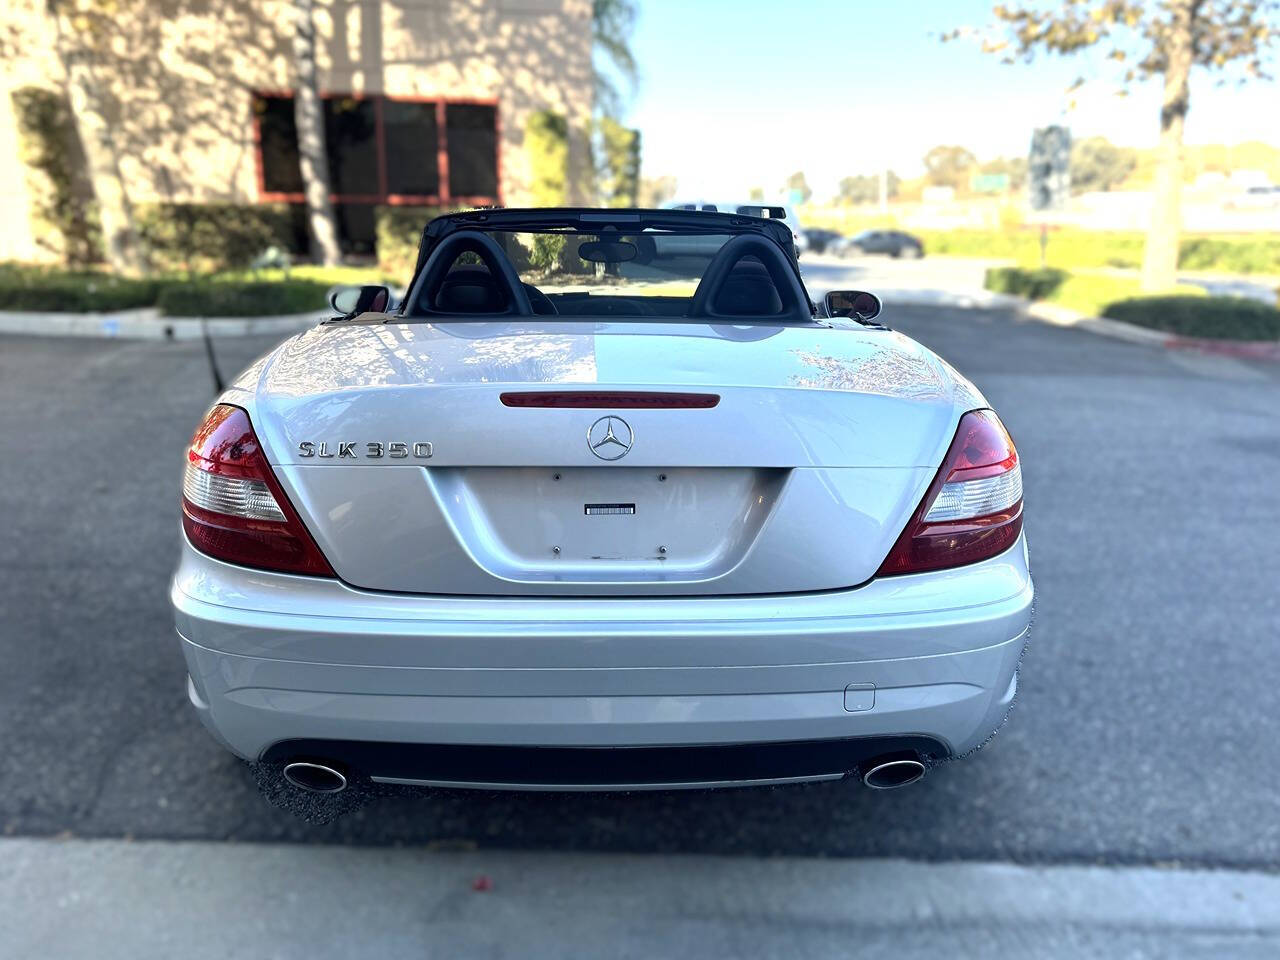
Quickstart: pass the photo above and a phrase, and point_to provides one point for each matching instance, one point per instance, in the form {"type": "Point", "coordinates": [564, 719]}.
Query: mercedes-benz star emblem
{"type": "Point", "coordinates": [610, 438]}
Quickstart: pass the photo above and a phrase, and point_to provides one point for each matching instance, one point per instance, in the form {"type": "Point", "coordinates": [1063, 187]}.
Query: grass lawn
{"type": "Point", "coordinates": [1091, 293]}
{"type": "Point", "coordinates": [1186, 310]}
{"type": "Point", "coordinates": [1071, 248]}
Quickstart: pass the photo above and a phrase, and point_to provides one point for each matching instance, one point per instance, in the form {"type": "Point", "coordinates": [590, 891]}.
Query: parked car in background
{"type": "Point", "coordinates": [1258, 197]}
{"type": "Point", "coordinates": [753, 209]}
{"type": "Point", "coordinates": [820, 238]}
{"type": "Point", "coordinates": [893, 242]}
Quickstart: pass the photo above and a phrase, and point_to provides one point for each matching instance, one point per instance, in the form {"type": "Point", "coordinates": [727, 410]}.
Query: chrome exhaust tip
{"type": "Point", "coordinates": [315, 777]}
{"type": "Point", "coordinates": [891, 772]}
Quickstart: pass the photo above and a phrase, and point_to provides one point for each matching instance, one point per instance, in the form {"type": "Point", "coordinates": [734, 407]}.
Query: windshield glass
{"type": "Point", "coordinates": [650, 264]}
{"type": "Point", "coordinates": [649, 273]}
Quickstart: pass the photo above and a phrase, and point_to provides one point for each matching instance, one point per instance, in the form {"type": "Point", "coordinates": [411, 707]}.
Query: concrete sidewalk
{"type": "Point", "coordinates": [108, 899]}
{"type": "Point", "coordinates": [147, 324]}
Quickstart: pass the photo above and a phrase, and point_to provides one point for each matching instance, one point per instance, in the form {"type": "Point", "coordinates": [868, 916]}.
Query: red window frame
{"type": "Point", "coordinates": [442, 198]}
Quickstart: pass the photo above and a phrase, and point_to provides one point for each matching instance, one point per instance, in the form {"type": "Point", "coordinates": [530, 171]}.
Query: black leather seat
{"type": "Point", "coordinates": [471, 288]}
{"type": "Point", "coordinates": [748, 291]}
{"type": "Point", "coordinates": [751, 276]}
{"type": "Point", "coordinates": [490, 287]}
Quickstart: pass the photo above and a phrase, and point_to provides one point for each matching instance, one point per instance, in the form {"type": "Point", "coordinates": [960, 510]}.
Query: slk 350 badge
{"type": "Point", "coordinates": [353, 450]}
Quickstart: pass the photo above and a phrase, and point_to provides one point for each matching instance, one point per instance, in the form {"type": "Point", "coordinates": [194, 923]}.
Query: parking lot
{"type": "Point", "coordinates": [1142, 733]}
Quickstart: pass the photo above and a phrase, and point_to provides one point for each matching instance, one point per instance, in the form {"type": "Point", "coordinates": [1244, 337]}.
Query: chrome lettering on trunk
{"type": "Point", "coordinates": [373, 450]}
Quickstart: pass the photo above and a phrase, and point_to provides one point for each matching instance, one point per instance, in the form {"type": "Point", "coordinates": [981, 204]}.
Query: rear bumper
{"type": "Point", "coordinates": [279, 664]}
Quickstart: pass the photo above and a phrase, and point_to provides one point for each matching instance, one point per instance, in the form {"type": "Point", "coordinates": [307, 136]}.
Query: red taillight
{"type": "Point", "coordinates": [973, 508]}
{"type": "Point", "coordinates": [232, 506]}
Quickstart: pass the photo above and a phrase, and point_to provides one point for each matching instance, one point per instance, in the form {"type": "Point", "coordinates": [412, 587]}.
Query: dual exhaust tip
{"type": "Point", "coordinates": [892, 770]}
{"type": "Point", "coordinates": [315, 777]}
{"type": "Point", "coordinates": [887, 772]}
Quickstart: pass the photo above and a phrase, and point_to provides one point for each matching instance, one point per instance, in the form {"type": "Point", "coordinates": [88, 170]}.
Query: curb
{"type": "Point", "coordinates": [946, 298]}
{"type": "Point", "coordinates": [132, 900]}
{"type": "Point", "coordinates": [147, 324]}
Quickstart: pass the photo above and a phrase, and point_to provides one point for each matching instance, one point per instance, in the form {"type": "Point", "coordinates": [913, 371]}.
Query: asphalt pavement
{"type": "Point", "coordinates": [1143, 732]}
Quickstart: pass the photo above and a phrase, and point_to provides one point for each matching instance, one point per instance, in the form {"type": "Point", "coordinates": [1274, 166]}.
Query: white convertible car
{"type": "Point", "coordinates": [575, 516]}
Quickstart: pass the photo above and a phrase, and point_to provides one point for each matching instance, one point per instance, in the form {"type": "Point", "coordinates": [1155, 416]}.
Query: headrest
{"type": "Point", "coordinates": [751, 275]}
{"type": "Point", "coordinates": [470, 288]}
{"type": "Point", "coordinates": [748, 291]}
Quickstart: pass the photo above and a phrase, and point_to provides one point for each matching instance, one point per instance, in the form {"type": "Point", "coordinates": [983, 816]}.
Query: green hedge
{"type": "Point", "coordinates": [1261, 255]}
{"type": "Point", "coordinates": [30, 287]}
{"type": "Point", "coordinates": [59, 291]}
{"type": "Point", "coordinates": [218, 236]}
{"type": "Point", "coordinates": [398, 232]}
{"type": "Point", "coordinates": [1188, 310]}
{"type": "Point", "coordinates": [1225, 318]}
{"type": "Point", "coordinates": [228, 298]}
{"type": "Point", "coordinates": [1032, 284]}
{"type": "Point", "coordinates": [1074, 248]}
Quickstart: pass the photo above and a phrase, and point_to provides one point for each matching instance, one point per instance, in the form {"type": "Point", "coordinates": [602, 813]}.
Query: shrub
{"type": "Point", "coordinates": [50, 148]}
{"type": "Point", "coordinates": [1225, 318]}
{"type": "Point", "coordinates": [398, 231]}
{"type": "Point", "coordinates": [618, 167]}
{"type": "Point", "coordinates": [1032, 284]}
{"type": "Point", "coordinates": [1089, 293]}
{"type": "Point", "coordinates": [546, 141]}
{"type": "Point", "coordinates": [234, 298]}
{"type": "Point", "coordinates": [1073, 248]}
{"type": "Point", "coordinates": [61, 291]}
{"type": "Point", "coordinates": [547, 253]}
{"type": "Point", "coordinates": [1233, 255]}
{"type": "Point", "coordinates": [218, 236]}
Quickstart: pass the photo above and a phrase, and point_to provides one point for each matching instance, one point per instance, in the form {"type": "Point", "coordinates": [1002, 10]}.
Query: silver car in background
{"type": "Point", "coordinates": [752, 208]}
{"type": "Point", "coordinates": [559, 526]}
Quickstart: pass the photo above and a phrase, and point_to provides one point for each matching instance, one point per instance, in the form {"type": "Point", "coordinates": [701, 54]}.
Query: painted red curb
{"type": "Point", "coordinates": [1252, 349]}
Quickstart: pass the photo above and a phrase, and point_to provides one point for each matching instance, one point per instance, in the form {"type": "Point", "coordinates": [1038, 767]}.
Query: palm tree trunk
{"type": "Point", "coordinates": [1160, 260]}
{"type": "Point", "coordinates": [312, 158]}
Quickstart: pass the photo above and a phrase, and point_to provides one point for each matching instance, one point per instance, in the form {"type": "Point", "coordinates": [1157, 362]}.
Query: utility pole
{"type": "Point", "coordinates": [884, 190]}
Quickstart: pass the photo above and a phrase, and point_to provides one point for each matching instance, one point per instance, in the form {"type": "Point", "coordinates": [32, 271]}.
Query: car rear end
{"type": "Point", "coordinates": [408, 557]}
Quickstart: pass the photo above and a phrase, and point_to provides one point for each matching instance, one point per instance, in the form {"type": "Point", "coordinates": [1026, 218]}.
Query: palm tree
{"type": "Point", "coordinates": [611, 24]}
{"type": "Point", "coordinates": [313, 161]}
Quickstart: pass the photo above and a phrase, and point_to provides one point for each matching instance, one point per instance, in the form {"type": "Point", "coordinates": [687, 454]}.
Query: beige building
{"type": "Point", "coordinates": [426, 101]}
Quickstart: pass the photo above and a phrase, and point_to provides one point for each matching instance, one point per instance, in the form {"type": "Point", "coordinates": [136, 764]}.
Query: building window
{"type": "Point", "coordinates": [412, 144]}
{"type": "Point", "coordinates": [383, 150]}
{"type": "Point", "coordinates": [351, 141]}
{"type": "Point", "coordinates": [472, 145]}
{"type": "Point", "coordinates": [277, 146]}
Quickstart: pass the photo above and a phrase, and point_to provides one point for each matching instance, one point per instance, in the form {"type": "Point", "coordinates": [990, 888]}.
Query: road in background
{"type": "Point", "coordinates": [1141, 732]}
{"type": "Point", "coordinates": [958, 280]}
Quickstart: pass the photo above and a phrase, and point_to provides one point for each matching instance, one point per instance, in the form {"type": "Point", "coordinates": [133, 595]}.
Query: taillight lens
{"type": "Point", "coordinates": [973, 508]}
{"type": "Point", "coordinates": [232, 506]}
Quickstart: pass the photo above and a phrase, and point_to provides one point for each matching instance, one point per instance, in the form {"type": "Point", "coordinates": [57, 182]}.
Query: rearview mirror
{"type": "Point", "coordinates": [607, 251]}
{"type": "Point", "coordinates": [853, 303]}
{"type": "Point", "coordinates": [352, 301]}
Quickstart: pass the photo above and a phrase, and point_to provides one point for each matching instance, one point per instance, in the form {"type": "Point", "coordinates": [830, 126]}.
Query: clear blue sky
{"type": "Point", "coordinates": [740, 93]}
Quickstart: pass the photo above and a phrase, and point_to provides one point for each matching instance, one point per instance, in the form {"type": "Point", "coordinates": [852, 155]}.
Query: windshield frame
{"type": "Point", "coordinates": [594, 221]}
